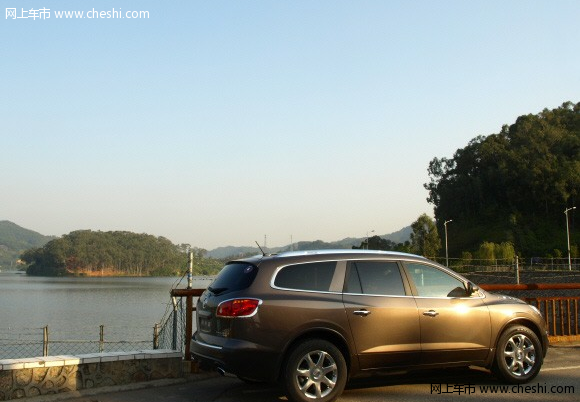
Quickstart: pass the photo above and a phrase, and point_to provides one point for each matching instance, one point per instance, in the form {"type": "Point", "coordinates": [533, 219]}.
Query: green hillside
{"type": "Point", "coordinates": [119, 253]}
{"type": "Point", "coordinates": [14, 240]}
{"type": "Point", "coordinates": [513, 186]}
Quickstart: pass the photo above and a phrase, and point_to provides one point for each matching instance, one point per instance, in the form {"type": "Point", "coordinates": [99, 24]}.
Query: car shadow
{"type": "Point", "coordinates": [459, 375]}
{"type": "Point", "coordinates": [244, 392]}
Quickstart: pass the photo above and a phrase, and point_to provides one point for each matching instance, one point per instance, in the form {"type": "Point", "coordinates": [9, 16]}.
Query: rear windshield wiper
{"type": "Point", "coordinates": [217, 291]}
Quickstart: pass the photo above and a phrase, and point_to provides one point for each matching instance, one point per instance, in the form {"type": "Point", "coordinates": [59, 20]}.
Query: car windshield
{"type": "Point", "coordinates": [234, 276]}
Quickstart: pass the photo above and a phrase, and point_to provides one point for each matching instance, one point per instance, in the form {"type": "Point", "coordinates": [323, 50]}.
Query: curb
{"type": "Point", "coordinates": [122, 388]}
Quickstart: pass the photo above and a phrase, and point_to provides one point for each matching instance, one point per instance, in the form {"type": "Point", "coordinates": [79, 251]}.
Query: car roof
{"type": "Point", "coordinates": [343, 252]}
{"type": "Point", "coordinates": [330, 253]}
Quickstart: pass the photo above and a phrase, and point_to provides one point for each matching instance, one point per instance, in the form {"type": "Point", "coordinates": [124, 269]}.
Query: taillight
{"type": "Point", "coordinates": [238, 308]}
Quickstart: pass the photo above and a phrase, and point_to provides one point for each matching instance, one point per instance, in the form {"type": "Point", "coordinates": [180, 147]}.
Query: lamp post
{"type": "Point", "coordinates": [568, 236]}
{"type": "Point", "coordinates": [446, 252]}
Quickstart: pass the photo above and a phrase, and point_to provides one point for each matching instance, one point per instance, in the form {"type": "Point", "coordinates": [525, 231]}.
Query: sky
{"type": "Point", "coordinates": [218, 123]}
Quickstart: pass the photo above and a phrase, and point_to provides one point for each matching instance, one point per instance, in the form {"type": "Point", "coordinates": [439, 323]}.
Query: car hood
{"type": "Point", "coordinates": [494, 298]}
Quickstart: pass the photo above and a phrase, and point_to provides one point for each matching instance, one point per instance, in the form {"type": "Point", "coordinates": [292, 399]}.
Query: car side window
{"type": "Point", "coordinates": [315, 276]}
{"type": "Point", "coordinates": [432, 282]}
{"type": "Point", "coordinates": [374, 278]}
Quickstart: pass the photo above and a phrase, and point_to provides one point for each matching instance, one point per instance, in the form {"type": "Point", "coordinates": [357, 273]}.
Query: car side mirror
{"type": "Point", "coordinates": [471, 289]}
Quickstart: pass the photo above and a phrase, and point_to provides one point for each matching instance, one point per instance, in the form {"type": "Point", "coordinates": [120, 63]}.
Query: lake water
{"type": "Point", "coordinates": [74, 308]}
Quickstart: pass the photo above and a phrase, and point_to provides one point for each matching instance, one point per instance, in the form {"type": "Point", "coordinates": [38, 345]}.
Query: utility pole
{"type": "Point", "coordinates": [568, 237]}
{"type": "Point", "coordinates": [190, 271]}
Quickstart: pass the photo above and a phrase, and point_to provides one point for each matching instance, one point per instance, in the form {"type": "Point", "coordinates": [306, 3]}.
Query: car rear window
{"type": "Point", "coordinates": [315, 276]}
{"type": "Point", "coordinates": [233, 277]}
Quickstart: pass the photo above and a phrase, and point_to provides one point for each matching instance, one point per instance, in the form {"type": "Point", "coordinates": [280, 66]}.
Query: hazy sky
{"type": "Point", "coordinates": [215, 123]}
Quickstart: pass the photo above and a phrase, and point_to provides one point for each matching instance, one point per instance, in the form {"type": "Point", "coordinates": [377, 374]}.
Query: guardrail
{"type": "Point", "coordinates": [561, 315]}
{"type": "Point", "coordinates": [17, 343]}
{"type": "Point", "coordinates": [531, 286]}
{"type": "Point", "coordinates": [560, 312]}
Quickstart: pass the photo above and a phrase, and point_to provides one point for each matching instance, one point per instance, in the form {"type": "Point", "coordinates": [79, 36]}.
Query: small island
{"type": "Point", "coordinates": [117, 253]}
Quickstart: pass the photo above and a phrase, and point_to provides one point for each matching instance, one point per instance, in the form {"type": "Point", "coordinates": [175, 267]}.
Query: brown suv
{"type": "Point", "coordinates": [314, 319]}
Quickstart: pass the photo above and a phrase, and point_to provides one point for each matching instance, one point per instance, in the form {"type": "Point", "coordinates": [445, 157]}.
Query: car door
{"type": "Point", "coordinates": [455, 327]}
{"type": "Point", "coordinates": [382, 315]}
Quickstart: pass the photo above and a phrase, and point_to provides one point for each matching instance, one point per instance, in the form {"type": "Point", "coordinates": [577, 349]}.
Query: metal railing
{"type": "Point", "coordinates": [176, 328]}
{"type": "Point", "coordinates": [170, 332]}
{"type": "Point", "coordinates": [173, 332]}
{"type": "Point", "coordinates": [510, 264]}
{"type": "Point", "coordinates": [18, 343]}
{"type": "Point", "coordinates": [560, 312]}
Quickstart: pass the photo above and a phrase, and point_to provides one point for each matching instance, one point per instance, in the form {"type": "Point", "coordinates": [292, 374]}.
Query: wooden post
{"type": "Point", "coordinates": [174, 338]}
{"type": "Point", "coordinates": [188, 325]}
{"type": "Point", "coordinates": [101, 338]}
{"type": "Point", "coordinates": [189, 294]}
{"type": "Point", "coordinates": [156, 336]}
{"type": "Point", "coordinates": [45, 341]}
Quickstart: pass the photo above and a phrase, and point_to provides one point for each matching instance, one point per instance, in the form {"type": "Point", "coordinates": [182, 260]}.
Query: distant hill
{"type": "Point", "coordinates": [400, 236]}
{"type": "Point", "coordinates": [14, 240]}
{"type": "Point", "coordinates": [347, 243]}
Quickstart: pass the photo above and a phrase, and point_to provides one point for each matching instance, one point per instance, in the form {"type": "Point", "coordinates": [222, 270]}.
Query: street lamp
{"type": "Point", "coordinates": [446, 252]}
{"type": "Point", "coordinates": [568, 237]}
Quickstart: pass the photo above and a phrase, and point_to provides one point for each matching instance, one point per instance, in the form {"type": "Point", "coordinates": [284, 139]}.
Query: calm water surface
{"type": "Point", "coordinates": [75, 307]}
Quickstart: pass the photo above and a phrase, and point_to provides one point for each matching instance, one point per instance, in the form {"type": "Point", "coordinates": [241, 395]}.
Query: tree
{"type": "Point", "coordinates": [505, 252]}
{"type": "Point", "coordinates": [512, 186]}
{"type": "Point", "coordinates": [85, 252]}
{"type": "Point", "coordinates": [376, 243]}
{"type": "Point", "coordinates": [486, 252]}
{"type": "Point", "coordinates": [425, 237]}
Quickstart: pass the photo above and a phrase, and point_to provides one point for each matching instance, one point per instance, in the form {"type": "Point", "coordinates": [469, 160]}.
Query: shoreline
{"type": "Point", "coordinates": [106, 275]}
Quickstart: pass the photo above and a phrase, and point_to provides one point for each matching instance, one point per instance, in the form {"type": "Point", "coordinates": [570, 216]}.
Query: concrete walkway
{"type": "Point", "coordinates": [562, 360]}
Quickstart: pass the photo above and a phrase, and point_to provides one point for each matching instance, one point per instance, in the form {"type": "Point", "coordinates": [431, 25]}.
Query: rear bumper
{"type": "Point", "coordinates": [237, 357]}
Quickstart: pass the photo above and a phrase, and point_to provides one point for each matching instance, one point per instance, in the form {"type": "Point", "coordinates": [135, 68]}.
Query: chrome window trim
{"type": "Point", "coordinates": [402, 258]}
{"type": "Point", "coordinates": [339, 267]}
{"type": "Point", "coordinates": [374, 295]}
{"type": "Point", "coordinates": [449, 298]}
{"type": "Point", "coordinates": [207, 345]}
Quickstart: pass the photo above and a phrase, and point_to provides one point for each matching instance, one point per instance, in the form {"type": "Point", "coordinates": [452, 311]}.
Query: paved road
{"type": "Point", "coordinates": [561, 372]}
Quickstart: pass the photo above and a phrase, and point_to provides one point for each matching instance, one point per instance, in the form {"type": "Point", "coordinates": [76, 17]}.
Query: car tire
{"type": "Point", "coordinates": [315, 370]}
{"type": "Point", "coordinates": [518, 356]}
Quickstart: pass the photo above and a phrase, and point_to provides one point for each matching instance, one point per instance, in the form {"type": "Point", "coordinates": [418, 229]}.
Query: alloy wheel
{"type": "Point", "coordinates": [519, 355]}
{"type": "Point", "coordinates": [316, 374]}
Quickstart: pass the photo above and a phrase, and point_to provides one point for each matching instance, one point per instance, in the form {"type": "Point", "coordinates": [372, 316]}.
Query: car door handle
{"type": "Point", "coordinates": [431, 313]}
{"type": "Point", "coordinates": [363, 313]}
